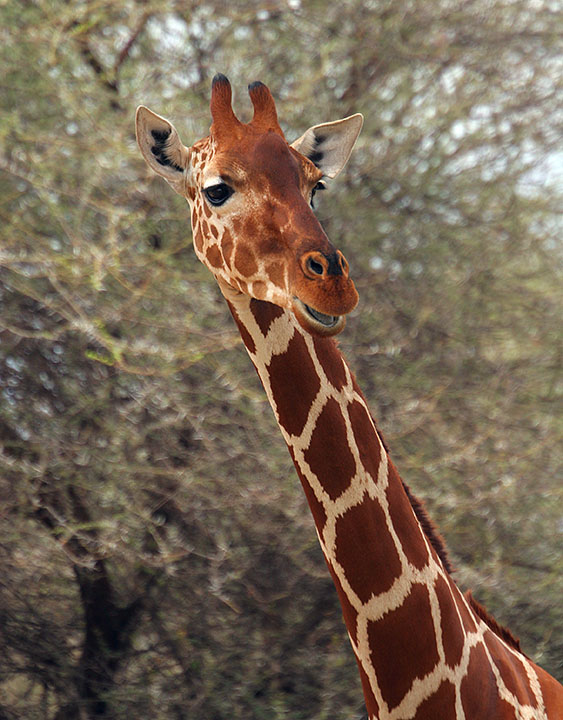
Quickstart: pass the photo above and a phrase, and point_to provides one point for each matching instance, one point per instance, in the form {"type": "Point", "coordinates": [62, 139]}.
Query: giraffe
{"type": "Point", "coordinates": [424, 650]}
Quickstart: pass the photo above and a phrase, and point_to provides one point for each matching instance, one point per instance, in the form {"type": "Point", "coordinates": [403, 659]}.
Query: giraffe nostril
{"type": "Point", "coordinates": [315, 267]}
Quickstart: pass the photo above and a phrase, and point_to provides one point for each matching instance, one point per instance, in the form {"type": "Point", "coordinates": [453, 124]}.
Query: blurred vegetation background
{"type": "Point", "coordinates": [157, 558]}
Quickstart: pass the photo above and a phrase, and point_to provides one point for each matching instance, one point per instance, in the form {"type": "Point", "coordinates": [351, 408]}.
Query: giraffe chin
{"type": "Point", "coordinates": [316, 322]}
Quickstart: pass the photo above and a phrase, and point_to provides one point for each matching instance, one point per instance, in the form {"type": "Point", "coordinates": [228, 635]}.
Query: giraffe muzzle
{"type": "Point", "coordinates": [324, 292]}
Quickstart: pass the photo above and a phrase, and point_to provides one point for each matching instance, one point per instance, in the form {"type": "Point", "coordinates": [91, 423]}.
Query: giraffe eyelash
{"type": "Point", "coordinates": [319, 186]}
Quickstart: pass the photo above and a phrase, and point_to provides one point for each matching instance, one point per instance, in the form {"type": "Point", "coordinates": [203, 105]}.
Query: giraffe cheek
{"type": "Point", "coordinates": [245, 262]}
{"type": "Point", "coordinates": [276, 275]}
{"type": "Point", "coordinates": [259, 290]}
{"type": "Point", "coordinates": [227, 246]}
{"type": "Point", "coordinates": [198, 242]}
{"type": "Point", "coordinates": [213, 257]}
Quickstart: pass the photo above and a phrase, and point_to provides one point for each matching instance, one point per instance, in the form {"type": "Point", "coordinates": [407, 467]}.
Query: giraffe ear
{"type": "Point", "coordinates": [162, 148]}
{"type": "Point", "coordinates": [329, 145]}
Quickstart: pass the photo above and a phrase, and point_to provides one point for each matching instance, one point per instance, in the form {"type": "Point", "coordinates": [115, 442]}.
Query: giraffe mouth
{"type": "Point", "coordinates": [317, 322]}
{"type": "Point", "coordinates": [327, 321]}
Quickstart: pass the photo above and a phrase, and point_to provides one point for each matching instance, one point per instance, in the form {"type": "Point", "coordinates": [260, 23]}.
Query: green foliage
{"type": "Point", "coordinates": [157, 557]}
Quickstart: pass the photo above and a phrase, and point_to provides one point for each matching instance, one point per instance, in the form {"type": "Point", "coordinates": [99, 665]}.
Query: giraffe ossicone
{"type": "Point", "coordinates": [423, 649]}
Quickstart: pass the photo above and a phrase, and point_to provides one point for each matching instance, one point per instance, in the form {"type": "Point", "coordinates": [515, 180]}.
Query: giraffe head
{"type": "Point", "coordinates": [250, 195]}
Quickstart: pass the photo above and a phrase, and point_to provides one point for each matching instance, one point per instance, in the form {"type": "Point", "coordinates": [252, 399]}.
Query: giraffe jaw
{"type": "Point", "coordinates": [316, 322]}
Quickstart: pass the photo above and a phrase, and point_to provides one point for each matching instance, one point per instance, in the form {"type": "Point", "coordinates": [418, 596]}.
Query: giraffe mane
{"type": "Point", "coordinates": [501, 630]}
{"type": "Point", "coordinates": [439, 544]}
{"type": "Point", "coordinates": [429, 528]}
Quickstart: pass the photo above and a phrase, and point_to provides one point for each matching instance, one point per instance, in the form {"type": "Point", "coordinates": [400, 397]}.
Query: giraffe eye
{"type": "Point", "coordinates": [319, 186]}
{"type": "Point", "coordinates": [218, 194]}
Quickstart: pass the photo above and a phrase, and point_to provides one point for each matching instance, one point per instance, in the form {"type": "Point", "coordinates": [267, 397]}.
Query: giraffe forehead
{"type": "Point", "coordinates": [259, 159]}
{"type": "Point", "coordinates": [283, 165]}
{"type": "Point", "coordinates": [272, 157]}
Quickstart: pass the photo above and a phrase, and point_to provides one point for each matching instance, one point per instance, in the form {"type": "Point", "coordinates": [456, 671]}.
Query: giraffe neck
{"type": "Point", "coordinates": [419, 645]}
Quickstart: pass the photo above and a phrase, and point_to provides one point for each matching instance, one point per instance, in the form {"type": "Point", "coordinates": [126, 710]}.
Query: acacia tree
{"type": "Point", "coordinates": [157, 556]}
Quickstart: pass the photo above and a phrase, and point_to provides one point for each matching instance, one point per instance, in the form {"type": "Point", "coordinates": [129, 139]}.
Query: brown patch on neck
{"type": "Point", "coordinates": [294, 385]}
{"type": "Point", "coordinates": [328, 455]}
{"type": "Point", "coordinates": [331, 361]}
{"type": "Point", "coordinates": [371, 567]}
{"type": "Point", "coordinates": [409, 531]}
{"type": "Point", "coordinates": [378, 431]}
{"type": "Point", "coordinates": [397, 636]}
{"type": "Point", "coordinates": [441, 704]}
{"type": "Point", "coordinates": [365, 437]}
{"type": "Point", "coordinates": [479, 696]}
{"type": "Point", "coordinates": [512, 671]}
{"type": "Point", "coordinates": [453, 635]}
{"type": "Point", "coordinates": [265, 313]}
